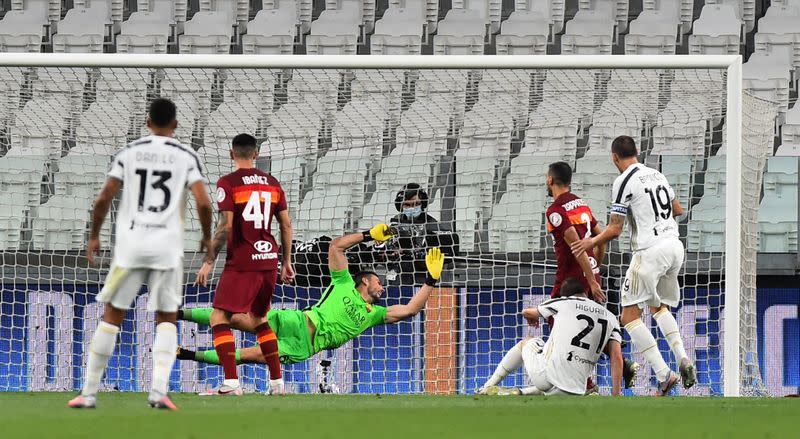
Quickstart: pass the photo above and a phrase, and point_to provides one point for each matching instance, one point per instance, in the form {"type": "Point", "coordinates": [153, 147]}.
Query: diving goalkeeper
{"type": "Point", "coordinates": [345, 310]}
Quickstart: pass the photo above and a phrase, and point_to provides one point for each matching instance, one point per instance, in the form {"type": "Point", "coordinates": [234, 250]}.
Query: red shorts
{"type": "Point", "coordinates": [245, 291]}
{"type": "Point", "coordinates": [556, 291]}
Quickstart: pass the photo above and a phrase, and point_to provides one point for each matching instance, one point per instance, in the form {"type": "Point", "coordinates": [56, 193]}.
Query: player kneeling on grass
{"type": "Point", "coordinates": [346, 309]}
{"type": "Point", "coordinates": [583, 329]}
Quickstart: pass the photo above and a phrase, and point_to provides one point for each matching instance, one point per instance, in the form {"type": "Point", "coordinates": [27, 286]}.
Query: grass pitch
{"type": "Point", "coordinates": [126, 415]}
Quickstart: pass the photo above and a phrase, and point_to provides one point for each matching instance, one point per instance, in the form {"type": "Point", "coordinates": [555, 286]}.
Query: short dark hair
{"type": "Point", "coordinates": [358, 277]}
{"type": "Point", "coordinates": [161, 112]}
{"type": "Point", "coordinates": [561, 173]}
{"type": "Point", "coordinates": [571, 286]}
{"type": "Point", "coordinates": [624, 147]}
{"type": "Point", "coordinates": [244, 145]}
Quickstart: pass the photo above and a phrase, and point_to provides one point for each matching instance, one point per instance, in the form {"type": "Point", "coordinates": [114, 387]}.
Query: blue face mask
{"type": "Point", "coordinates": [412, 212]}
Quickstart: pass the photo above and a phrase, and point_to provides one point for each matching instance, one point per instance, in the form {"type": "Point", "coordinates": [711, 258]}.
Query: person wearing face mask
{"type": "Point", "coordinates": [416, 232]}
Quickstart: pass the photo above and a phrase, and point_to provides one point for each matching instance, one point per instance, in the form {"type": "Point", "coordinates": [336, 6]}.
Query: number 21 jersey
{"type": "Point", "coordinates": [645, 197]}
{"type": "Point", "coordinates": [155, 172]}
{"type": "Point", "coordinates": [254, 197]}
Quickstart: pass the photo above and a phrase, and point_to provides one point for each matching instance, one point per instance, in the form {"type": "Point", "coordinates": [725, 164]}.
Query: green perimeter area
{"type": "Point", "coordinates": [126, 415]}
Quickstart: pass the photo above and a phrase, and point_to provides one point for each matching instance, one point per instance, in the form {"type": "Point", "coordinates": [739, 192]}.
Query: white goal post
{"type": "Point", "coordinates": [731, 66]}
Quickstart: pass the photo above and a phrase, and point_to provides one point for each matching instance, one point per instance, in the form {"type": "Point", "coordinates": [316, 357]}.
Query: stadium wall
{"type": "Point", "coordinates": [42, 339]}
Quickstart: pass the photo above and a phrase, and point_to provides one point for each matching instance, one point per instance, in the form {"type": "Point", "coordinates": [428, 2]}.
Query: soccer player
{"type": "Point", "coordinates": [347, 308]}
{"type": "Point", "coordinates": [561, 366]}
{"type": "Point", "coordinates": [569, 219]}
{"type": "Point", "coordinates": [645, 197]}
{"type": "Point", "coordinates": [248, 199]}
{"type": "Point", "coordinates": [156, 171]}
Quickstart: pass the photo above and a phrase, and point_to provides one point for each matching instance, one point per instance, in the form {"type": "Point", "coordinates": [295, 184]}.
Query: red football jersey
{"type": "Point", "coordinates": [569, 210]}
{"type": "Point", "coordinates": [254, 197]}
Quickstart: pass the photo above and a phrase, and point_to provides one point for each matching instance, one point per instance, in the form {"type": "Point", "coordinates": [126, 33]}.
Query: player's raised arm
{"type": "Point", "coordinates": [599, 249]}
{"type": "Point", "coordinates": [102, 204]}
{"type": "Point", "coordinates": [336, 253]}
{"type": "Point", "coordinates": [434, 261]}
{"type": "Point", "coordinates": [615, 352]}
{"type": "Point", "coordinates": [615, 225]}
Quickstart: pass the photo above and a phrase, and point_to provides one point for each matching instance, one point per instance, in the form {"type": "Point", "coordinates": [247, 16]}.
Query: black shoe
{"type": "Point", "coordinates": [185, 354]}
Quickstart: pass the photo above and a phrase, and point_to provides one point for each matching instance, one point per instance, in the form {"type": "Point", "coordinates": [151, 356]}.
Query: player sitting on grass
{"type": "Point", "coordinates": [346, 309]}
{"type": "Point", "coordinates": [561, 365]}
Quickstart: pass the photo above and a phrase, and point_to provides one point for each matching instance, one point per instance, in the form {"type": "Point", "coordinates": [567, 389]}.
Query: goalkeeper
{"type": "Point", "coordinates": [345, 310]}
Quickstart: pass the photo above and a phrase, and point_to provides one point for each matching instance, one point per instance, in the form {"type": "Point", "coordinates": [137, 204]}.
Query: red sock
{"type": "Point", "coordinates": [226, 350]}
{"type": "Point", "coordinates": [269, 348]}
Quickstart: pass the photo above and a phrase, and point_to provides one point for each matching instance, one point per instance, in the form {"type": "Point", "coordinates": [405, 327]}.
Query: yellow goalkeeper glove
{"type": "Point", "coordinates": [380, 233]}
{"type": "Point", "coordinates": [434, 260]}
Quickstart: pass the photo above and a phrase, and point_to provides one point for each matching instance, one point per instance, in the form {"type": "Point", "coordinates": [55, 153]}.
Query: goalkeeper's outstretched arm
{"type": "Point", "coordinates": [434, 261]}
{"type": "Point", "coordinates": [336, 253]}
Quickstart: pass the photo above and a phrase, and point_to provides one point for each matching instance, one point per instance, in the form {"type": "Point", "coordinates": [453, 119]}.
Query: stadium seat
{"type": "Point", "coordinates": [105, 126]}
{"type": "Point", "coordinates": [653, 32]}
{"type": "Point", "coordinates": [228, 120]}
{"type": "Point", "coordinates": [81, 176]}
{"type": "Point", "coordinates": [489, 10]}
{"type": "Point", "coordinates": [780, 33]}
{"type": "Point", "coordinates": [367, 8]}
{"type": "Point", "coordinates": [516, 225]}
{"type": "Point", "coordinates": [718, 31]}
{"type": "Point", "coordinates": [252, 89]}
{"type": "Point", "coordinates": [506, 92]}
{"type": "Point", "coordinates": [487, 129]}
{"type": "Point", "coordinates": [81, 30]}
{"type": "Point", "coordinates": [144, 32]}
{"type": "Point", "coordinates": [336, 31]}
{"type": "Point", "coordinates": [706, 229]}
{"type": "Point", "coordinates": [272, 31]}
{"type": "Point", "coordinates": [40, 127]}
{"type": "Point", "coordinates": [361, 124]}
{"type": "Point", "coordinates": [303, 10]}
{"type": "Point", "coordinates": [682, 11]}
{"type": "Point", "coordinates": [235, 11]}
{"type": "Point", "coordinates": [462, 32]}
{"type": "Point", "coordinates": [322, 214]}
{"type": "Point", "coordinates": [206, 32]}
{"type": "Point", "coordinates": [617, 8]}
{"type": "Point", "coordinates": [475, 172]}
{"type": "Point", "coordinates": [790, 130]}
{"type": "Point", "coordinates": [61, 223]}
{"type": "Point", "coordinates": [767, 76]}
{"type": "Point", "coordinates": [174, 11]}
{"type": "Point", "coordinates": [593, 179]}
{"type": "Point", "coordinates": [591, 32]}
{"type": "Point", "coordinates": [294, 130]}
{"type": "Point", "coordinates": [679, 173]}
{"type": "Point", "coordinates": [679, 139]}
{"type": "Point", "coordinates": [777, 215]}
{"type": "Point", "coordinates": [22, 31]}
{"type": "Point", "coordinates": [551, 10]}
{"type": "Point", "coordinates": [745, 10]}
{"type": "Point", "coordinates": [191, 93]}
{"type": "Point", "coordinates": [382, 82]}
{"type": "Point", "coordinates": [523, 33]}
{"type": "Point", "coordinates": [399, 32]}
{"type": "Point", "coordinates": [424, 127]}
{"type": "Point", "coordinates": [21, 179]}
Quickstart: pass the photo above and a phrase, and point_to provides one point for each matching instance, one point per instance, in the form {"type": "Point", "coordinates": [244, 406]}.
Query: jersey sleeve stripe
{"type": "Point", "coordinates": [624, 183]}
{"type": "Point", "coordinates": [191, 153]}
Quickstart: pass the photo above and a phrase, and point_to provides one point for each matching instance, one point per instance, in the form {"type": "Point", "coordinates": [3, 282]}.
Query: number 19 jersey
{"type": "Point", "coordinates": [155, 172]}
{"type": "Point", "coordinates": [254, 197]}
{"type": "Point", "coordinates": [581, 330]}
{"type": "Point", "coordinates": [645, 196]}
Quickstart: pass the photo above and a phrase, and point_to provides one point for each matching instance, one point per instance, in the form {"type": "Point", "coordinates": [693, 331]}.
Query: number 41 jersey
{"type": "Point", "coordinates": [254, 197]}
{"type": "Point", "coordinates": [155, 172]}
{"type": "Point", "coordinates": [645, 196]}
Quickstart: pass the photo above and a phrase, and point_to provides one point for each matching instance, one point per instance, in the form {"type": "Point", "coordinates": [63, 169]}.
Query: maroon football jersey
{"type": "Point", "coordinates": [254, 197]}
{"type": "Point", "coordinates": [568, 210]}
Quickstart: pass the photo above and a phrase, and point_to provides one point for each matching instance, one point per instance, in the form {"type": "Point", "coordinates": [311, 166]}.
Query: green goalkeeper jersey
{"type": "Point", "coordinates": [341, 313]}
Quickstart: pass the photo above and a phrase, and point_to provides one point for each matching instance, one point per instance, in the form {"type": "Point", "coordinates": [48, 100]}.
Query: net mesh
{"type": "Point", "coordinates": [343, 143]}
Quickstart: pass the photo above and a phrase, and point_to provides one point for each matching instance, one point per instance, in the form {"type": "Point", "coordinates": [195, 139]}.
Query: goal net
{"type": "Point", "coordinates": [345, 142]}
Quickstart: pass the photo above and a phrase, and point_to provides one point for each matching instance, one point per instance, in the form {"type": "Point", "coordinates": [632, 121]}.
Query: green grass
{"type": "Point", "coordinates": [124, 415]}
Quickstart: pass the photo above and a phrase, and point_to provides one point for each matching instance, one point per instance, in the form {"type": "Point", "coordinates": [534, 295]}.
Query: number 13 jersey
{"type": "Point", "coordinates": [254, 197]}
{"type": "Point", "coordinates": [645, 197]}
{"type": "Point", "coordinates": [155, 172]}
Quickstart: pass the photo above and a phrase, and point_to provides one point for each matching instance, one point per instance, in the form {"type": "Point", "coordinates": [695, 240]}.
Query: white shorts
{"type": "Point", "coordinates": [122, 286]}
{"type": "Point", "coordinates": [652, 277]}
{"type": "Point", "coordinates": [536, 367]}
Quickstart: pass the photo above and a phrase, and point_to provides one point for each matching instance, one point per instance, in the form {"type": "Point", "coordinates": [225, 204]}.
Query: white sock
{"type": "Point", "coordinates": [231, 383]}
{"type": "Point", "coordinates": [164, 347]}
{"type": "Point", "coordinates": [511, 361]}
{"type": "Point", "coordinates": [531, 390]}
{"type": "Point", "coordinates": [669, 328]}
{"type": "Point", "coordinates": [646, 345]}
{"type": "Point", "coordinates": [100, 350]}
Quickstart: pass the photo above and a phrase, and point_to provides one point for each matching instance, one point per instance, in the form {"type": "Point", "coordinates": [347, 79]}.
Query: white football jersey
{"type": "Point", "coordinates": [645, 196]}
{"type": "Point", "coordinates": [581, 330]}
{"type": "Point", "coordinates": [155, 172]}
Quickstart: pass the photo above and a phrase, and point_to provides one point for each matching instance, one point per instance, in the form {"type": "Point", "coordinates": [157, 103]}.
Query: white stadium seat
{"type": "Point", "coordinates": [777, 215]}
{"type": "Point", "coordinates": [551, 10]}
{"type": "Point", "coordinates": [81, 30]}
{"type": "Point", "coordinates": [591, 32]}
{"type": "Point", "coordinates": [207, 32]}
{"type": "Point", "coordinates": [523, 33]}
{"type": "Point", "coordinates": [272, 32]}
{"type": "Point", "coordinates": [399, 32]}
{"type": "Point", "coordinates": [718, 31]}
{"type": "Point", "coordinates": [144, 32]}
{"type": "Point", "coordinates": [462, 32]}
{"type": "Point", "coordinates": [652, 33]}
{"type": "Point", "coordinates": [767, 75]}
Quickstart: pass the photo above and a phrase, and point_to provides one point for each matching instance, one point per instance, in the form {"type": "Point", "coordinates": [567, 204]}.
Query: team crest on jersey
{"type": "Point", "coordinates": [220, 195]}
{"type": "Point", "coordinates": [555, 219]}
